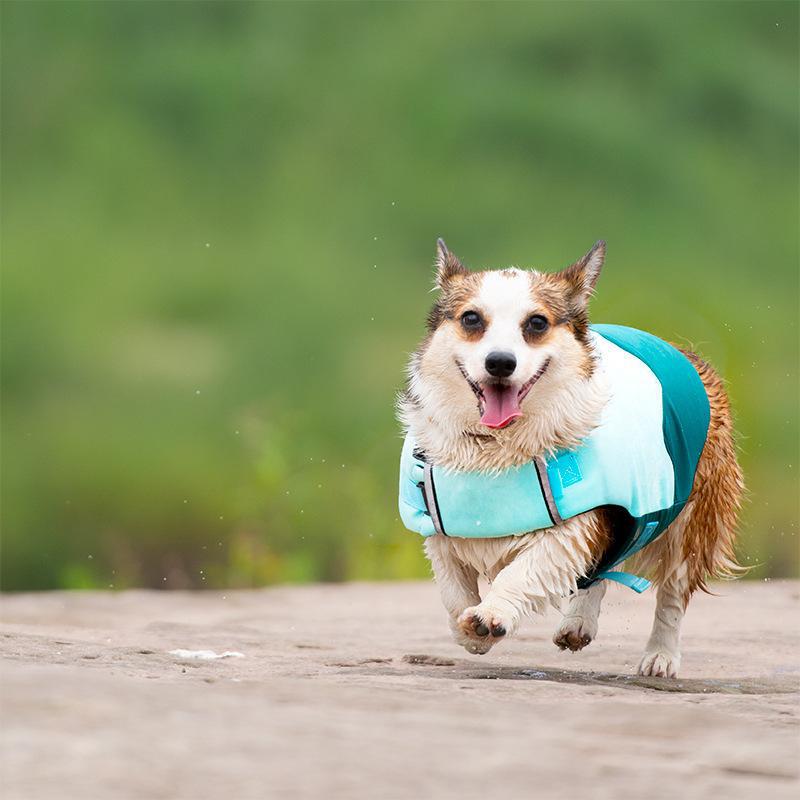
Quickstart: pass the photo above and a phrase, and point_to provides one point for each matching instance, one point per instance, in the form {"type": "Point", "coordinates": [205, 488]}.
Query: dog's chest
{"type": "Point", "coordinates": [489, 556]}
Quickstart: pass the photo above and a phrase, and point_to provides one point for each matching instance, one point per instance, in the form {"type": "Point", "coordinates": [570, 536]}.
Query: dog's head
{"type": "Point", "coordinates": [498, 340]}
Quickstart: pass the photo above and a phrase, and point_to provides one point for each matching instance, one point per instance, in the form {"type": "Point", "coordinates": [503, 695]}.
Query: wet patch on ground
{"type": "Point", "coordinates": [439, 667]}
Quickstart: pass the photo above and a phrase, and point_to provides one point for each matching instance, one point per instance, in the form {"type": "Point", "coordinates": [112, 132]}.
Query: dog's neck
{"type": "Point", "coordinates": [557, 418]}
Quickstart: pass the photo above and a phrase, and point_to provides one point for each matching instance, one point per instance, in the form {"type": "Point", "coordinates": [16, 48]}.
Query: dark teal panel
{"type": "Point", "coordinates": [686, 417]}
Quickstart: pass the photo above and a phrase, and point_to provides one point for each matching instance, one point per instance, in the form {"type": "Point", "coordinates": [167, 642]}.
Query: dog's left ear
{"type": "Point", "coordinates": [583, 274]}
{"type": "Point", "coordinates": [447, 265]}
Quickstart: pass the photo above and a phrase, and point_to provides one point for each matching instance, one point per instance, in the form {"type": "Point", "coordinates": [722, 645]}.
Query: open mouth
{"type": "Point", "coordinates": [499, 401]}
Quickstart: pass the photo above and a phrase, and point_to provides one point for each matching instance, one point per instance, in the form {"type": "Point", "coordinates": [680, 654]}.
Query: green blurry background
{"type": "Point", "coordinates": [218, 229]}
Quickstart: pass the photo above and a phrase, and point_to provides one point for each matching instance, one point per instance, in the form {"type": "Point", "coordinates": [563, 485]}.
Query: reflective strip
{"type": "Point", "coordinates": [547, 491]}
{"type": "Point", "coordinates": [430, 499]}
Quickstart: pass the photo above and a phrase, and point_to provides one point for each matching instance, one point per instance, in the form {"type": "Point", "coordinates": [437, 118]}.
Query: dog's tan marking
{"type": "Point", "coordinates": [457, 293]}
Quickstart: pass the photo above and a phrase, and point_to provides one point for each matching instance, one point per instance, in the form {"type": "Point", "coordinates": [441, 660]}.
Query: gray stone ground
{"type": "Point", "coordinates": [355, 691]}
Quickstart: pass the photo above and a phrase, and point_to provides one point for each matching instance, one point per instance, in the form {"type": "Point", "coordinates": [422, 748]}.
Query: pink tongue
{"type": "Point", "coordinates": [500, 405]}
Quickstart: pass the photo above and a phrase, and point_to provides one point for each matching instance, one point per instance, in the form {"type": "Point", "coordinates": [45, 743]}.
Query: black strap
{"type": "Point", "coordinates": [547, 491]}
{"type": "Point", "coordinates": [429, 492]}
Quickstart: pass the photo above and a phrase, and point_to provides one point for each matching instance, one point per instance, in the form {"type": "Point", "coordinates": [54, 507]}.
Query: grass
{"type": "Point", "coordinates": [218, 229]}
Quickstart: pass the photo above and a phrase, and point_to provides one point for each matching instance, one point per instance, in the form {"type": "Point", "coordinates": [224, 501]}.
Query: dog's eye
{"type": "Point", "coordinates": [537, 324]}
{"type": "Point", "coordinates": [471, 321]}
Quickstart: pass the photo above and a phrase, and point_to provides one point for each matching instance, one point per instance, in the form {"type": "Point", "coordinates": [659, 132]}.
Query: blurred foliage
{"type": "Point", "coordinates": [218, 226]}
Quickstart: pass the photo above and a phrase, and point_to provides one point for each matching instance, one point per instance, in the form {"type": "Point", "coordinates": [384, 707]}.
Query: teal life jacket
{"type": "Point", "coordinates": [640, 460]}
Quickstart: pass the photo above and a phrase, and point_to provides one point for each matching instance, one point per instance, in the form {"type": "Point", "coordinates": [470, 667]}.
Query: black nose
{"type": "Point", "coordinates": [500, 365]}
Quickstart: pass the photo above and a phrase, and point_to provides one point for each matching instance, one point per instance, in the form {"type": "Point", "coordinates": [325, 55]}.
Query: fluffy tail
{"type": "Point", "coordinates": [708, 539]}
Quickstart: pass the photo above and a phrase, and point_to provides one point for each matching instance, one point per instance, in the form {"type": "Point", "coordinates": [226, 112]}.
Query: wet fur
{"type": "Point", "coordinates": [529, 571]}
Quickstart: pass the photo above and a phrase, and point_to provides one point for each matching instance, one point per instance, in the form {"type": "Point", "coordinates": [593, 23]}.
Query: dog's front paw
{"type": "Point", "coordinates": [478, 628]}
{"type": "Point", "coordinates": [660, 664]}
{"type": "Point", "coordinates": [574, 633]}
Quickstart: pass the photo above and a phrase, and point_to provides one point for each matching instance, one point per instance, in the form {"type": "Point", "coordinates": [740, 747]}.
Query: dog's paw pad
{"type": "Point", "coordinates": [574, 634]}
{"type": "Point", "coordinates": [478, 629]}
{"type": "Point", "coordinates": [571, 641]}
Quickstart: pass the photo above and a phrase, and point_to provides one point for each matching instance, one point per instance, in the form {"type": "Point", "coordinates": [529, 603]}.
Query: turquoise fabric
{"type": "Point", "coordinates": [642, 458]}
{"type": "Point", "coordinates": [634, 582]}
{"type": "Point", "coordinates": [472, 504]}
{"type": "Point", "coordinates": [685, 402]}
{"type": "Point", "coordinates": [413, 508]}
{"type": "Point", "coordinates": [686, 413]}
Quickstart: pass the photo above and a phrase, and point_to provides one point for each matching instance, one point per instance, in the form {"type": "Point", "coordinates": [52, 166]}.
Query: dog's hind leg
{"type": "Point", "coordinates": [665, 560]}
{"type": "Point", "coordinates": [579, 625]}
{"type": "Point", "coordinates": [662, 656]}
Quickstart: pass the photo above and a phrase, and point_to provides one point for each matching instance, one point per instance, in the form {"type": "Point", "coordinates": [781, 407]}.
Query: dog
{"type": "Point", "coordinates": [510, 373]}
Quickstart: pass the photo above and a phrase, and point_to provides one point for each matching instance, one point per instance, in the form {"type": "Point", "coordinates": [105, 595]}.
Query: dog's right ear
{"type": "Point", "coordinates": [447, 265]}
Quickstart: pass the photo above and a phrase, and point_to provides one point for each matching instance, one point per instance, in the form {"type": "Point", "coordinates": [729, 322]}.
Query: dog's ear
{"type": "Point", "coordinates": [447, 265]}
{"type": "Point", "coordinates": [582, 276]}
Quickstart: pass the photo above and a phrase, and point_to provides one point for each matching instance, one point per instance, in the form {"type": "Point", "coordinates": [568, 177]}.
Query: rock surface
{"type": "Point", "coordinates": [355, 691]}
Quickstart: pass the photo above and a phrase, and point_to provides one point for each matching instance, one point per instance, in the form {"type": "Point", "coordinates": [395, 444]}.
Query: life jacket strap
{"type": "Point", "coordinates": [429, 493]}
{"type": "Point", "coordinates": [634, 582]}
{"type": "Point", "coordinates": [547, 490]}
